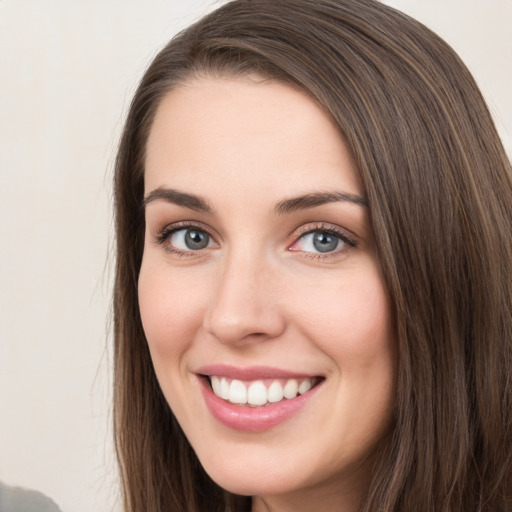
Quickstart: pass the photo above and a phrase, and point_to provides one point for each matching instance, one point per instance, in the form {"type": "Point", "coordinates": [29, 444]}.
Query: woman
{"type": "Point", "coordinates": [313, 295]}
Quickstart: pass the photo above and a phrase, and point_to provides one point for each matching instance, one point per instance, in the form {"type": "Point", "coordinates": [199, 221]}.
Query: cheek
{"type": "Point", "coordinates": [367, 329]}
{"type": "Point", "coordinates": [356, 333]}
{"type": "Point", "coordinates": [350, 320]}
{"type": "Point", "coordinates": [170, 318]}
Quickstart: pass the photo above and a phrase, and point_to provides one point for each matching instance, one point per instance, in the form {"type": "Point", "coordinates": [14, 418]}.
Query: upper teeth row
{"type": "Point", "coordinates": [256, 392]}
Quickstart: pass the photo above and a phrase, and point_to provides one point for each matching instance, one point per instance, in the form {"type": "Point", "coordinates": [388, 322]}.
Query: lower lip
{"type": "Point", "coordinates": [253, 419]}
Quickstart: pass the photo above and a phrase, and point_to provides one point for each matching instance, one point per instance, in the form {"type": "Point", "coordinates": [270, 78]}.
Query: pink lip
{"type": "Point", "coordinates": [252, 419]}
{"type": "Point", "coordinates": [250, 373]}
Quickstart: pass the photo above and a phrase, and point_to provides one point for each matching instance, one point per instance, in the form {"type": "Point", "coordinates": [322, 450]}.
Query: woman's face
{"type": "Point", "coordinates": [260, 278]}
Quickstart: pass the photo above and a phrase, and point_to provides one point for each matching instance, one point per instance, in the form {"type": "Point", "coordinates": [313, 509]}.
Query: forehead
{"type": "Point", "coordinates": [248, 134]}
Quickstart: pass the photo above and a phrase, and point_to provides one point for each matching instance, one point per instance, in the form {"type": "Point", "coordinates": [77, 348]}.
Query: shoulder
{"type": "Point", "coordinates": [16, 499]}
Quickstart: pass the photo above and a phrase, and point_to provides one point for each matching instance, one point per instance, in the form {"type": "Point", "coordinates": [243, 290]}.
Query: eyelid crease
{"type": "Point", "coordinates": [326, 227]}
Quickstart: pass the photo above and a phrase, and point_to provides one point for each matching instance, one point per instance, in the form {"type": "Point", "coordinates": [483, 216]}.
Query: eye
{"type": "Point", "coordinates": [185, 239]}
{"type": "Point", "coordinates": [322, 241]}
{"type": "Point", "coordinates": [190, 239]}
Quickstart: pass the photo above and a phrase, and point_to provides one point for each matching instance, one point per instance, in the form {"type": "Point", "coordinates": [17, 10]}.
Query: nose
{"type": "Point", "coordinates": [245, 304]}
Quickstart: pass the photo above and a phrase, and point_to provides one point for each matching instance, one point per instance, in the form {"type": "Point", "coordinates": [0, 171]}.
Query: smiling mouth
{"type": "Point", "coordinates": [260, 393]}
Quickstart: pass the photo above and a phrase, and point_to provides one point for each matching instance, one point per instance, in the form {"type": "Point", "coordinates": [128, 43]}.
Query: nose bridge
{"type": "Point", "coordinates": [244, 303]}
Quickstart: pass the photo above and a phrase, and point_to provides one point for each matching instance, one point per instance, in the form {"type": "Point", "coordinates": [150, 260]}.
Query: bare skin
{"type": "Point", "coordinates": [259, 254]}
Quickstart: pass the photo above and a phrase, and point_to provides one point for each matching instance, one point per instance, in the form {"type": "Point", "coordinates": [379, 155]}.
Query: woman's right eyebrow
{"type": "Point", "coordinates": [173, 196]}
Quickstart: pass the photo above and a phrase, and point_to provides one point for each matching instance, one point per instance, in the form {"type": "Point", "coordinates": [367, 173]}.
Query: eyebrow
{"type": "Point", "coordinates": [317, 199]}
{"type": "Point", "coordinates": [170, 195]}
{"type": "Point", "coordinates": [303, 202]}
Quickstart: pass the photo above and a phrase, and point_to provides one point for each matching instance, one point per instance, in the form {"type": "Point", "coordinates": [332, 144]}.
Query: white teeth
{"type": "Point", "coordinates": [305, 385]}
{"type": "Point", "coordinates": [237, 392]}
{"type": "Point", "coordinates": [291, 389]}
{"type": "Point", "coordinates": [224, 389]}
{"type": "Point", "coordinates": [216, 385]}
{"type": "Point", "coordinates": [275, 392]}
{"type": "Point", "coordinates": [256, 393]}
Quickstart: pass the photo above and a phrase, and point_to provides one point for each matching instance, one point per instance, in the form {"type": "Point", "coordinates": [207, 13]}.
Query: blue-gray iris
{"type": "Point", "coordinates": [324, 242]}
{"type": "Point", "coordinates": [196, 240]}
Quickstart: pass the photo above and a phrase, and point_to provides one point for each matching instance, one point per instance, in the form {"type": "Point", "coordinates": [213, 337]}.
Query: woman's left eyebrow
{"type": "Point", "coordinates": [314, 199]}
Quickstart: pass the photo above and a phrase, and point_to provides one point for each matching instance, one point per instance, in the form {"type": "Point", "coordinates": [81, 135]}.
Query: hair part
{"type": "Point", "coordinates": [439, 190]}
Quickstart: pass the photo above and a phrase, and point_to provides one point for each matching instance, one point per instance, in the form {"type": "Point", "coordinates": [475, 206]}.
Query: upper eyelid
{"type": "Point", "coordinates": [323, 226]}
{"type": "Point", "coordinates": [184, 224]}
{"type": "Point", "coordinates": [163, 233]}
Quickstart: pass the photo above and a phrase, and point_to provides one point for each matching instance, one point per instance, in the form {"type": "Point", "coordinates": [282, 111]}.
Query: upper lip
{"type": "Point", "coordinates": [251, 372]}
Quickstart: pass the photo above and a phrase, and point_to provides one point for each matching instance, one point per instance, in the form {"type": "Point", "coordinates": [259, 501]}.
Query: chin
{"type": "Point", "coordinates": [240, 476]}
{"type": "Point", "coordinates": [249, 484]}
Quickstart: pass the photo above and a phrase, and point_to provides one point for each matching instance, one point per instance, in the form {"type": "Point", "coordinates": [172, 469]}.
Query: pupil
{"type": "Point", "coordinates": [196, 239]}
{"type": "Point", "coordinates": [324, 242]}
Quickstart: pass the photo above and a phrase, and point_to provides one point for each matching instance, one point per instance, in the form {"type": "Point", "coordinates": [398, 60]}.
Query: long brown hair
{"type": "Point", "coordinates": [439, 189]}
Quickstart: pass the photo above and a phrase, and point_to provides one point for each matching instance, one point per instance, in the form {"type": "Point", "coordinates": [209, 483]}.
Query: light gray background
{"type": "Point", "coordinates": [67, 71]}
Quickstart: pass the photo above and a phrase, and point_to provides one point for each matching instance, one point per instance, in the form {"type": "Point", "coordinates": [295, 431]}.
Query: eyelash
{"type": "Point", "coordinates": [329, 229]}
{"type": "Point", "coordinates": [164, 235]}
